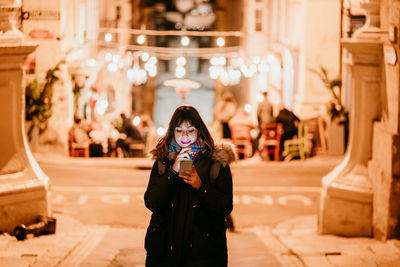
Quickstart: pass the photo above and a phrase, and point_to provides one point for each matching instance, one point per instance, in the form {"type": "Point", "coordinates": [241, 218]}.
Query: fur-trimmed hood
{"type": "Point", "coordinates": [224, 153]}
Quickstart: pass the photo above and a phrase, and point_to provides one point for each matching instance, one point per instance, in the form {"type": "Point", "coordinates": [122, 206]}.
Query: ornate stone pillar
{"type": "Point", "coordinates": [10, 10]}
{"type": "Point", "coordinates": [346, 198]}
{"type": "Point", "coordinates": [384, 167]}
{"type": "Point", "coordinates": [24, 188]}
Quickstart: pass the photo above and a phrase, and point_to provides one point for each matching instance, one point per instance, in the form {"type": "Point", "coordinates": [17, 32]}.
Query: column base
{"type": "Point", "coordinates": [344, 217]}
{"type": "Point", "coordinates": [24, 188]}
{"type": "Point", "coordinates": [346, 202]}
{"type": "Point", "coordinates": [12, 36]}
{"type": "Point", "coordinates": [22, 200]}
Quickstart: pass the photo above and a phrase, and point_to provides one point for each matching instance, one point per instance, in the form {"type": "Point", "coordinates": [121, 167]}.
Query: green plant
{"type": "Point", "coordinates": [336, 110]}
{"type": "Point", "coordinates": [79, 84]}
{"type": "Point", "coordinates": [38, 104]}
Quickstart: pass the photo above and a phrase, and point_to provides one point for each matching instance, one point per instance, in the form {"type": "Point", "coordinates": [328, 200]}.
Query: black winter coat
{"type": "Point", "coordinates": [187, 226]}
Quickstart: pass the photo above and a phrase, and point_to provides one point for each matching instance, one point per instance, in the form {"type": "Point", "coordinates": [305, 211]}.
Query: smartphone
{"type": "Point", "coordinates": [186, 164]}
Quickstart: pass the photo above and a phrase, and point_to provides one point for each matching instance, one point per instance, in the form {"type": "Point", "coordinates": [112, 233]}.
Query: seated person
{"type": "Point", "coordinates": [130, 134]}
{"type": "Point", "coordinates": [81, 137]}
{"type": "Point", "coordinates": [99, 140]}
{"type": "Point", "coordinates": [289, 124]}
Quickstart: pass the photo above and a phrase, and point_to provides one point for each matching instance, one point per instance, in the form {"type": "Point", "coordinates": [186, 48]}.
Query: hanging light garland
{"type": "Point", "coordinates": [227, 64]}
{"type": "Point", "coordinates": [136, 75]}
{"type": "Point", "coordinates": [227, 74]}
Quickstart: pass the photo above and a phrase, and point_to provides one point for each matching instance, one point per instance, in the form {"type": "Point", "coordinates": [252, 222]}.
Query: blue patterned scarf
{"type": "Point", "coordinates": [196, 148]}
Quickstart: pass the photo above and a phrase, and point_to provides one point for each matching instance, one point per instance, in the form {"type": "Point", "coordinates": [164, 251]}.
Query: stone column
{"type": "Point", "coordinates": [24, 188]}
{"type": "Point", "coordinates": [9, 12]}
{"type": "Point", "coordinates": [346, 198]}
{"type": "Point", "coordinates": [384, 167]}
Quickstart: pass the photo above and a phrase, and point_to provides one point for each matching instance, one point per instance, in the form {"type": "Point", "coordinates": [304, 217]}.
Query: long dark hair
{"type": "Point", "coordinates": [181, 114]}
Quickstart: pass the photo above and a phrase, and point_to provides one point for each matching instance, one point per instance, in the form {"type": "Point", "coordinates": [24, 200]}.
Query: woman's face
{"type": "Point", "coordinates": [185, 134]}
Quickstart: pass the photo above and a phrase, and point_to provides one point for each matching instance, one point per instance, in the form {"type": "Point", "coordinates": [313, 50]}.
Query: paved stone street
{"type": "Point", "coordinates": [291, 240]}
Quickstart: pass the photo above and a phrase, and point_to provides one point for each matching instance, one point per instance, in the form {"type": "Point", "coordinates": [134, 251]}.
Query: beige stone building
{"type": "Point", "coordinates": [361, 196]}
{"type": "Point", "coordinates": [359, 39]}
{"type": "Point", "coordinates": [305, 35]}
{"type": "Point", "coordinates": [63, 30]}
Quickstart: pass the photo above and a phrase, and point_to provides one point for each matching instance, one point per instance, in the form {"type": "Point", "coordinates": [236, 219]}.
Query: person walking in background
{"type": "Point", "coordinates": [224, 110]}
{"type": "Point", "coordinates": [187, 226]}
{"type": "Point", "coordinates": [264, 116]}
{"type": "Point", "coordinates": [265, 111]}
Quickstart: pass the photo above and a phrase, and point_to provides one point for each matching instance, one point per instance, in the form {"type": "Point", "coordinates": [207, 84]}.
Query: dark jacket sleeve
{"type": "Point", "coordinates": [218, 197]}
{"type": "Point", "coordinates": [160, 188]}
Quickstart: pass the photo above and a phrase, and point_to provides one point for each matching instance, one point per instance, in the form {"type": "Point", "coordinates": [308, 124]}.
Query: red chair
{"type": "Point", "coordinates": [271, 133]}
{"type": "Point", "coordinates": [241, 139]}
{"type": "Point", "coordinates": [76, 150]}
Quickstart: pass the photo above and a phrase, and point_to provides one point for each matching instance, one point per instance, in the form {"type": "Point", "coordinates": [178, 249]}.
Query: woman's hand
{"type": "Point", "coordinates": [191, 178]}
{"type": "Point", "coordinates": [183, 154]}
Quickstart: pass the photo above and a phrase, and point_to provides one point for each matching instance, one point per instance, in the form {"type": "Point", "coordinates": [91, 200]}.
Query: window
{"type": "Point", "coordinates": [356, 22]}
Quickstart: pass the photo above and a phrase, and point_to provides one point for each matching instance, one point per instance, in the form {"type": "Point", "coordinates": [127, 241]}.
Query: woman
{"type": "Point", "coordinates": [187, 226]}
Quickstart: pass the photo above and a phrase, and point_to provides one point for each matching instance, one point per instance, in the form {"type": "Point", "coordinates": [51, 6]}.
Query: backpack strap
{"type": "Point", "coordinates": [161, 167]}
{"type": "Point", "coordinates": [214, 170]}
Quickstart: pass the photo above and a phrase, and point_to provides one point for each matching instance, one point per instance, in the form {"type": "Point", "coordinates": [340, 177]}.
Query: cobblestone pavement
{"type": "Point", "coordinates": [294, 242]}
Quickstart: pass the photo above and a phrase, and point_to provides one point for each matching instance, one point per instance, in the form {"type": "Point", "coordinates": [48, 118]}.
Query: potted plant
{"type": "Point", "coordinates": [38, 104]}
{"type": "Point", "coordinates": [338, 129]}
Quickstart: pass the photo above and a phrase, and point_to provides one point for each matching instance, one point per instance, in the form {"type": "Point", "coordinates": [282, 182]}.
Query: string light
{"type": "Point", "coordinates": [185, 41]}
{"type": "Point", "coordinates": [260, 98]}
{"type": "Point", "coordinates": [220, 41]}
{"type": "Point", "coordinates": [152, 71]}
{"type": "Point", "coordinates": [153, 60]}
{"type": "Point", "coordinates": [168, 52]}
{"type": "Point", "coordinates": [161, 131]}
{"type": "Point", "coordinates": [136, 121]}
{"type": "Point", "coordinates": [101, 106]}
{"type": "Point", "coordinates": [112, 67]}
{"type": "Point", "coordinates": [180, 61]}
{"type": "Point", "coordinates": [145, 56]}
{"type": "Point", "coordinates": [218, 61]}
{"type": "Point", "coordinates": [108, 37]}
{"type": "Point", "coordinates": [108, 56]}
{"type": "Point", "coordinates": [151, 68]}
{"type": "Point", "coordinates": [230, 76]}
{"type": "Point", "coordinates": [136, 75]}
{"type": "Point", "coordinates": [227, 64]}
{"type": "Point", "coordinates": [91, 62]}
{"type": "Point", "coordinates": [247, 108]}
{"type": "Point", "coordinates": [180, 72]}
{"type": "Point", "coordinates": [141, 39]}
